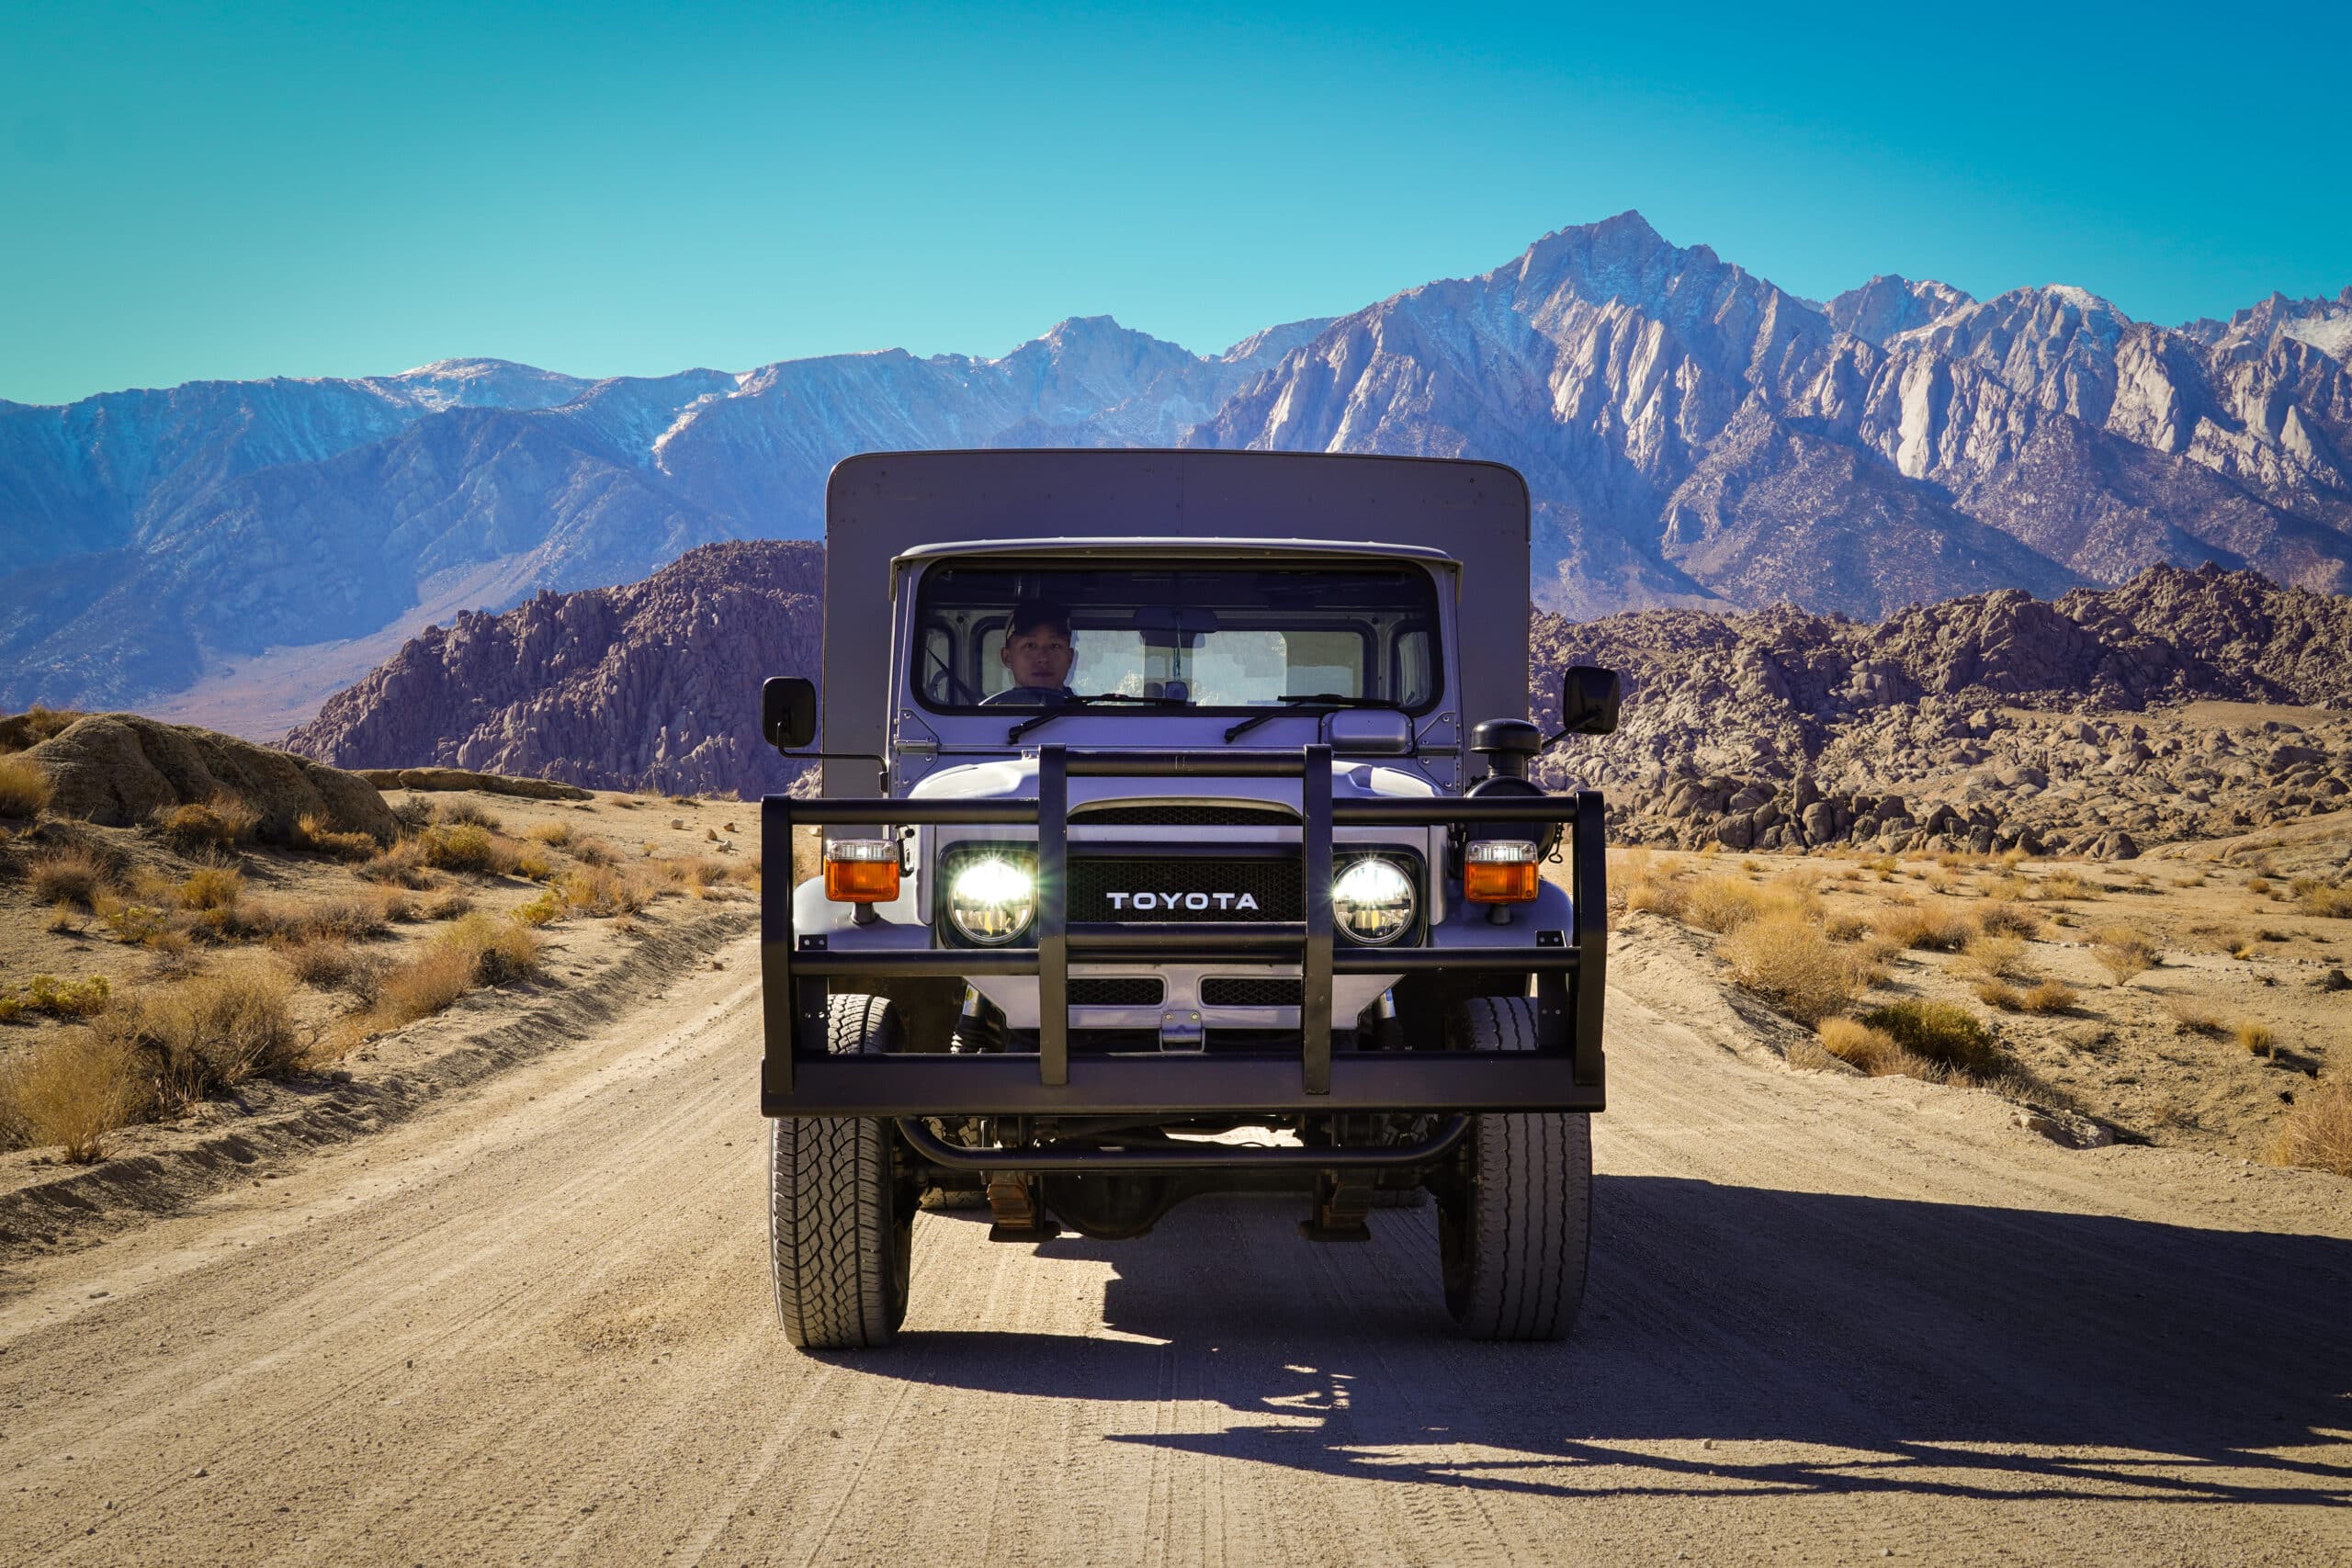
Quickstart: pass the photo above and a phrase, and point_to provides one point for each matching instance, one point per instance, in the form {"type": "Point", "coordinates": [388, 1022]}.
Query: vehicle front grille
{"type": "Point", "coordinates": [1116, 991]}
{"type": "Point", "coordinates": [1251, 991]}
{"type": "Point", "coordinates": [1180, 816]}
{"type": "Point", "coordinates": [1272, 885]}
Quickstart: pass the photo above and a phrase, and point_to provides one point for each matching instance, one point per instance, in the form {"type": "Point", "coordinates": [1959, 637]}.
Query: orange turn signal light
{"type": "Point", "coordinates": [862, 871]}
{"type": "Point", "coordinates": [1498, 870]}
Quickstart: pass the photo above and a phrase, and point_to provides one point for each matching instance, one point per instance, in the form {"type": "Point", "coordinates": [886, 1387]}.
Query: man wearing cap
{"type": "Point", "coordinates": [1038, 654]}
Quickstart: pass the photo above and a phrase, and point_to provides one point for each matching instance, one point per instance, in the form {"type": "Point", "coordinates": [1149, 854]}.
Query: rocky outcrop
{"type": "Point", "coordinates": [652, 684]}
{"type": "Point", "coordinates": [1989, 721]}
{"type": "Point", "coordinates": [465, 779]}
{"type": "Point", "coordinates": [120, 769]}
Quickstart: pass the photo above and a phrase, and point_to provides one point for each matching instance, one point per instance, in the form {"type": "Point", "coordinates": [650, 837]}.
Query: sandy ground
{"type": "Point", "coordinates": [1831, 1319]}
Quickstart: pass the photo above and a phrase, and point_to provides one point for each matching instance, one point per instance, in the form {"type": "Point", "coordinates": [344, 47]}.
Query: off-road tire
{"type": "Point", "coordinates": [840, 1223]}
{"type": "Point", "coordinates": [1515, 1225]}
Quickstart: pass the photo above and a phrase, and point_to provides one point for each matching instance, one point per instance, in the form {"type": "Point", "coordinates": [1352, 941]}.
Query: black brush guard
{"type": "Point", "coordinates": [1564, 1073]}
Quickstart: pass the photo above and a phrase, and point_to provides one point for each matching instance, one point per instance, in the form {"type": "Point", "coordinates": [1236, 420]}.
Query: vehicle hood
{"type": "Point", "coordinates": [1016, 778]}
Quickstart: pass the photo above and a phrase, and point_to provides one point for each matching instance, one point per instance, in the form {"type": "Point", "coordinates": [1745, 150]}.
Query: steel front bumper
{"type": "Point", "coordinates": [798, 1078]}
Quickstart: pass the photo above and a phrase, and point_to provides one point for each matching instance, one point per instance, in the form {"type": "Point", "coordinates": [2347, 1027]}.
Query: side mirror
{"type": "Point", "coordinates": [788, 711]}
{"type": "Point", "coordinates": [1589, 697]}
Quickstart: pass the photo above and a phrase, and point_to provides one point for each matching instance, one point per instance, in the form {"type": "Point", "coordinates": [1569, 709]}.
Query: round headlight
{"type": "Point", "coordinates": [992, 900]}
{"type": "Point", "coordinates": [1372, 901]}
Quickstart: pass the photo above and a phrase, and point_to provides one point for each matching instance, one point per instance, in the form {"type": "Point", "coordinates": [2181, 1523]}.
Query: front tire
{"type": "Point", "coordinates": [1515, 1228]}
{"type": "Point", "coordinates": [840, 1223]}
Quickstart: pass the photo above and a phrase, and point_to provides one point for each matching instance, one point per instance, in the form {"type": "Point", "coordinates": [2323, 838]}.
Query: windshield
{"type": "Point", "coordinates": [1176, 633]}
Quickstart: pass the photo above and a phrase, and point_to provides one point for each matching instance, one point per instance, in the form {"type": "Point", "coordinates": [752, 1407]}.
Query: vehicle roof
{"type": "Point", "coordinates": [1170, 543]}
{"type": "Point", "coordinates": [881, 507]}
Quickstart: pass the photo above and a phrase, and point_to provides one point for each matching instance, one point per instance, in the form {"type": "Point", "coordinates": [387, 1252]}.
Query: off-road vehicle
{"type": "Point", "coordinates": [1253, 898]}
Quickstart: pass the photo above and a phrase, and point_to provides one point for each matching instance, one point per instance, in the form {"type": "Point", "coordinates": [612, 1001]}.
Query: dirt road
{"type": "Point", "coordinates": [1830, 1321]}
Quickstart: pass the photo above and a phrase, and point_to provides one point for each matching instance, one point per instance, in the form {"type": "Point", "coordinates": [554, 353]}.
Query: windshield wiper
{"type": "Point", "coordinates": [1051, 714]}
{"type": "Point", "coordinates": [1294, 700]}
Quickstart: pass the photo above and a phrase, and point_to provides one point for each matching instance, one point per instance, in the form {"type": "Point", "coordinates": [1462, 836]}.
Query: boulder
{"type": "Point", "coordinates": [465, 778]}
{"type": "Point", "coordinates": [118, 768]}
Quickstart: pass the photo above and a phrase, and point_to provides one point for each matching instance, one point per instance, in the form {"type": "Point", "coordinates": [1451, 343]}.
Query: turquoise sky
{"type": "Point", "coordinates": [247, 190]}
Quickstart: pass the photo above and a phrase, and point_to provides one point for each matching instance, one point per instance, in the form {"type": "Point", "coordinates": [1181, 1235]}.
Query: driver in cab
{"type": "Point", "coordinates": [1038, 653]}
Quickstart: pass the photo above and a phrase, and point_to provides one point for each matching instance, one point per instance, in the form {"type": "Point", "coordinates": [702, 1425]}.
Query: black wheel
{"type": "Point", "coordinates": [1516, 1223]}
{"type": "Point", "coordinates": [841, 1223]}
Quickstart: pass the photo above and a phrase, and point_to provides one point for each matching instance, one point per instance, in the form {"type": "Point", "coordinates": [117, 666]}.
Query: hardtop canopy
{"type": "Point", "coordinates": [884, 506]}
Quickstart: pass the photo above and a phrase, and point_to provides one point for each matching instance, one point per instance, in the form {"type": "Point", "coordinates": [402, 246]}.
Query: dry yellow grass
{"type": "Point", "coordinates": [210, 888]}
{"type": "Point", "coordinates": [1994, 957]}
{"type": "Point", "coordinates": [2192, 1016]}
{"type": "Point", "coordinates": [2317, 1130]}
{"type": "Point", "coordinates": [71, 875]}
{"type": "Point", "coordinates": [477, 950]}
{"type": "Point", "coordinates": [466, 847]}
{"type": "Point", "coordinates": [221, 823]}
{"type": "Point", "coordinates": [314, 834]}
{"type": "Point", "coordinates": [2003, 917]}
{"type": "Point", "coordinates": [73, 1091]}
{"type": "Point", "coordinates": [1783, 958]}
{"type": "Point", "coordinates": [555, 835]}
{"type": "Point", "coordinates": [2331, 903]}
{"type": "Point", "coordinates": [402, 864]}
{"type": "Point", "coordinates": [1928, 930]}
{"type": "Point", "coordinates": [2123, 952]}
{"type": "Point", "coordinates": [531, 863]}
{"type": "Point", "coordinates": [213, 1032]}
{"type": "Point", "coordinates": [25, 789]}
{"type": "Point", "coordinates": [2051, 995]}
{"type": "Point", "coordinates": [57, 999]}
{"type": "Point", "coordinates": [448, 905]}
{"type": "Point", "coordinates": [2063, 883]}
{"type": "Point", "coordinates": [601, 890]}
{"type": "Point", "coordinates": [464, 811]}
{"type": "Point", "coordinates": [1658, 896]}
{"type": "Point", "coordinates": [595, 852]}
{"type": "Point", "coordinates": [1873, 1051]}
{"type": "Point", "coordinates": [2254, 1037]}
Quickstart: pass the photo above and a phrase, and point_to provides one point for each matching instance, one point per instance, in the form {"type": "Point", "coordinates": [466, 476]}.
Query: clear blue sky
{"type": "Point", "coordinates": [241, 190]}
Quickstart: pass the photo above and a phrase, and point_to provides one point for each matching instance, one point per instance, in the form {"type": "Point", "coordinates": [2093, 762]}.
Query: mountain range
{"type": "Point", "coordinates": [1692, 434]}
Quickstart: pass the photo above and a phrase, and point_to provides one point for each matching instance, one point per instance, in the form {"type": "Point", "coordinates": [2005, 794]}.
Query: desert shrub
{"type": "Point", "coordinates": [2123, 952]}
{"type": "Point", "coordinates": [1722, 903]}
{"type": "Point", "coordinates": [531, 861]}
{"type": "Point", "coordinates": [345, 919]}
{"type": "Point", "coordinates": [2192, 1016]}
{"type": "Point", "coordinates": [543, 910]}
{"type": "Point", "coordinates": [2000, 994]}
{"type": "Point", "coordinates": [423, 985]}
{"type": "Point", "coordinates": [214, 1031]}
{"type": "Point", "coordinates": [1930, 930]}
{"type": "Point", "coordinates": [409, 811]}
{"type": "Point", "coordinates": [314, 834]}
{"type": "Point", "coordinates": [2257, 885]}
{"type": "Point", "coordinates": [2065, 883]}
{"type": "Point", "coordinates": [1785, 959]}
{"type": "Point", "coordinates": [2051, 995]}
{"type": "Point", "coordinates": [130, 922]}
{"type": "Point", "coordinates": [320, 960]}
{"type": "Point", "coordinates": [595, 852]}
{"type": "Point", "coordinates": [73, 1091]}
{"type": "Point", "coordinates": [210, 888]}
{"type": "Point", "coordinates": [448, 905]}
{"type": "Point", "coordinates": [2317, 1132]}
{"type": "Point", "coordinates": [57, 999]}
{"type": "Point", "coordinates": [467, 848]}
{"type": "Point", "coordinates": [1994, 957]}
{"type": "Point", "coordinates": [2001, 916]}
{"type": "Point", "coordinates": [398, 908]}
{"type": "Point", "coordinates": [700, 872]}
{"type": "Point", "coordinates": [555, 835]}
{"type": "Point", "coordinates": [1847, 927]}
{"type": "Point", "coordinates": [64, 919]}
{"type": "Point", "coordinates": [2254, 1037]}
{"type": "Point", "coordinates": [2332, 902]}
{"type": "Point", "coordinates": [463, 812]}
{"type": "Point", "coordinates": [504, 951]}
{"type": "Point", "coordinates": [220, 824]}
{"type": "Point", "coordinates": [71, 875]}
{"type": "Point", "coordinates": [1940, 1031]}
{"type": "Point", "coordinates": [1874, 1051]}
{"type": "Point", "coordinates": [25, 789]}
{"type": "Point", "coordinates": [1658, 896]}
{"type": "Point", "coordinates": [601, 890]}
{"type": "Point", "coordinates": [402, 864]}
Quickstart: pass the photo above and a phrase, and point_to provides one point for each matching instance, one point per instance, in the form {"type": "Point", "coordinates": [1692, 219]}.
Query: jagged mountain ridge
{"type": "Point", "coordinates": [1692, 434]}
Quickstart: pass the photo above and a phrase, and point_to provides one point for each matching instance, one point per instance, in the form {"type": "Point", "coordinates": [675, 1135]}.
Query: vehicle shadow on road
{"type": "Point", "coordinates": [1814, 1342]}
